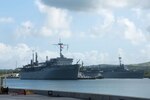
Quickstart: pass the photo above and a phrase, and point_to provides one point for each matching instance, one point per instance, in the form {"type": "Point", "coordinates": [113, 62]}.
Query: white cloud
{"type": "Point", "coordinates": [130, 57]}
{"type": "Point", "coordinates": [148, 29]}
{"type": "Point", "coordinates": [85, 5]}
{"type": "Point", "coordinates": [72, 5]}
{"type": "Point", "coordinates": [108, 18]}
{"type": "Point", "coordinates": [90, 57]}
{"type": "Point", "coordinates": [145, 53]}
{"type": "Point", "coordinates": [22, 53]}
{"type": "Point", "coordinates": [6, 20]}
{"type": "Point", "coordinates": [45, 31]}
{"type": "Point", "coordinates": [25, 29]}
{"type": "Point", "coordinates": [57, 21]}
{"type": "Point", "coordinates": [27, 24]}
{"type": "Point", "coordinates": [138, 12]}
{"type": "Point", "coordinates": [104, 8]}
{"type": "Point", "coordinates": [139, 4]}
{"type": "Point", "coordinates": [104, 29]}
{"type": "Point", "coordinates": [88, 5]}
{"type": "Point", "coordinates": [121, 52]}
{"type": "Point", "coordinates": [10, 54]}
{"type": "Point", "coordinates": [116, 3]}
{"type": "Point", "coordinates": [131, 32]}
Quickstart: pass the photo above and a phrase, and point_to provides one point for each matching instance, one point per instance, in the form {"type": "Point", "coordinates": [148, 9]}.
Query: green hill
{"type": "Point", "coordinates": [141, 66]}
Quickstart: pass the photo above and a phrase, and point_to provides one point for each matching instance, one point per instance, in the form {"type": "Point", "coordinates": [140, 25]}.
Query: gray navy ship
{"type": "Point", "coordinates": [60, 68]}
{"type": "Point", "coordinates": [121, 72]}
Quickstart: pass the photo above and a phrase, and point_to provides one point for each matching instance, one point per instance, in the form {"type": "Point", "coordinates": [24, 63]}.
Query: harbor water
{"type": "Point", "coordinates": [122, 87]}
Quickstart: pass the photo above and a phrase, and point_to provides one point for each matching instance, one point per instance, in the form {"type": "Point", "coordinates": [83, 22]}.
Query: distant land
{"type": "Point", "coordinates": [141, 66]}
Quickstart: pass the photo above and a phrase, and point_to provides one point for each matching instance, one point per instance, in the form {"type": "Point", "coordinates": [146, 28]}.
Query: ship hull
{"type": "Point", "coordinates": [122, 74]}
{"type": "Point", "coordinates": [57, 72]}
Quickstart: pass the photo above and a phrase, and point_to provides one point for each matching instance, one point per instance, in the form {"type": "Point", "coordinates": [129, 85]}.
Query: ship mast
{"type": "Point", "coordinates": [61, 45]}
{"type": "Point", "coordinates": [120, 61]}
{"type": "Point", "coordinates": [33, 55]}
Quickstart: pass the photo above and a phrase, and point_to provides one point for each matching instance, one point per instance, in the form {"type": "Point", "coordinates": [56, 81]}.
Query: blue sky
{"type": "Point", "coordinates": [97, 31]}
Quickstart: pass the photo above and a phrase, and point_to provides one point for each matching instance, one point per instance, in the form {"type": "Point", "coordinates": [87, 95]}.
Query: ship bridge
{"type": "Point", "coordinates": [61, 61]}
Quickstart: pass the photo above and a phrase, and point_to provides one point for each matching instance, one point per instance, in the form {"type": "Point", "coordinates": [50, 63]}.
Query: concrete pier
{"type": "Point", "coordinates": [33, 97]}
{"type": "Point", "coordinates": [78, 96]}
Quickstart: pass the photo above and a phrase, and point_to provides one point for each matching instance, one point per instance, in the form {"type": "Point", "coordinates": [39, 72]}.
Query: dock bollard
{"type": "Point", "coordinates": [24, 92]}
{"type": "Point", "coordinates": [90, 98]}
{"type": "Point", "coordinates": [4, 90]}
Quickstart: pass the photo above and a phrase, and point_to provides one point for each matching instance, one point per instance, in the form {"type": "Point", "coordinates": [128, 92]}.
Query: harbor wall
{"type": "Point", "coordinates": [84, 96]}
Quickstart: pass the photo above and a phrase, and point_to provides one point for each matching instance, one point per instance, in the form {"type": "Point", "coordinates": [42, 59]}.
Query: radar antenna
{"type": "Point", "coordinates": [61, 46]}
